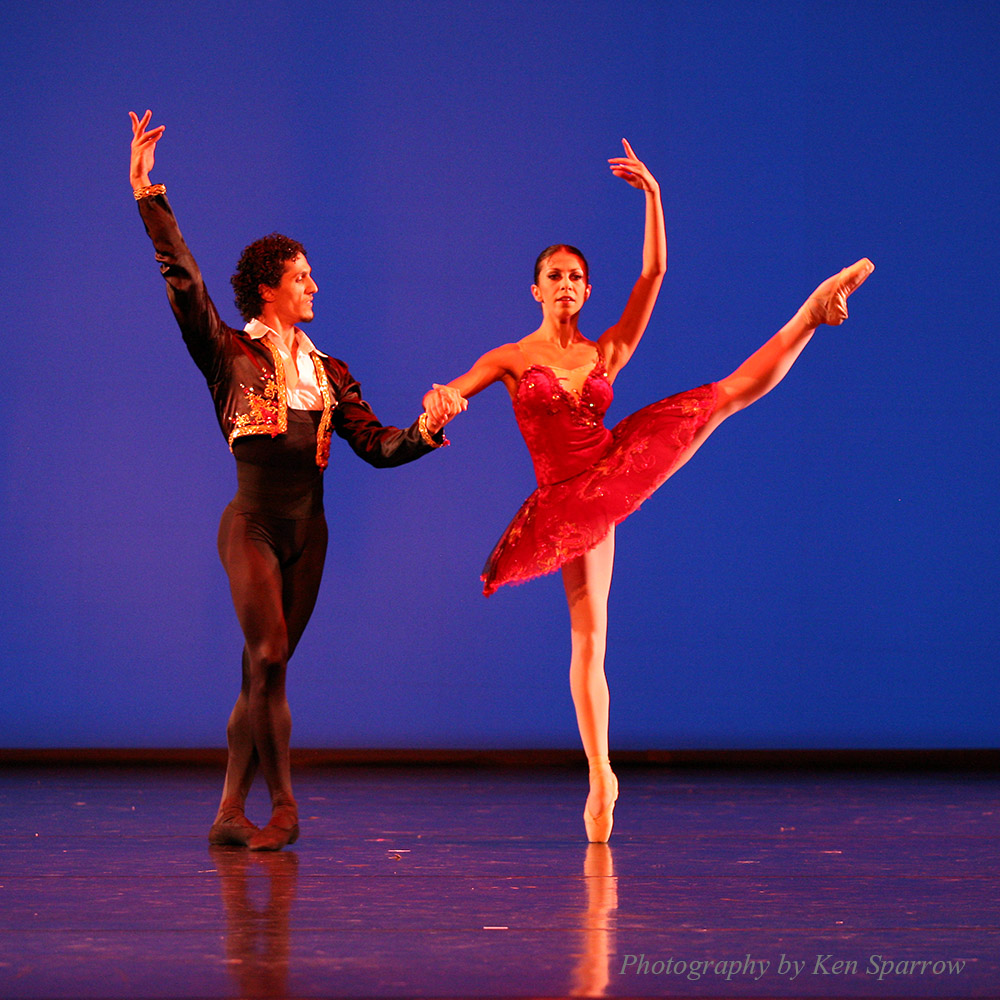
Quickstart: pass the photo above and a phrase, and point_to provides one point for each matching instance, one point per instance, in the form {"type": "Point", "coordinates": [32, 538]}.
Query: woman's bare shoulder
{"type": "Point", "coordinates": [506, 356]}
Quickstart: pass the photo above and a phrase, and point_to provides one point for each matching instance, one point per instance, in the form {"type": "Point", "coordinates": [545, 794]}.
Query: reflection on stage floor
{"type": "Point", "coordinates": [476, 882]}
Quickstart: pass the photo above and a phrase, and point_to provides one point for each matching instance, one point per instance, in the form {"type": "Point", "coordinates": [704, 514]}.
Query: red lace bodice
{"type": "Point", "coordinates": [564, 432]}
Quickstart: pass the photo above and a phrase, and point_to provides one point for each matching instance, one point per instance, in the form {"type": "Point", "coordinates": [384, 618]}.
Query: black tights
{"type": "Point", "coordinates": [274, 565]}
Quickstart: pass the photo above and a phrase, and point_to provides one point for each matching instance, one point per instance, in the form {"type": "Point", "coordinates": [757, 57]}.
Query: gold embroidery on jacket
{"type": "Point", "coordinates": [268, 408]}
{"type": "Point", "coordinates": [323, 432]}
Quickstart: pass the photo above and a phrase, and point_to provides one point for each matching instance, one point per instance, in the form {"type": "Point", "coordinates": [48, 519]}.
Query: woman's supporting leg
{"type": "Point", "coordinates": [587, 580]}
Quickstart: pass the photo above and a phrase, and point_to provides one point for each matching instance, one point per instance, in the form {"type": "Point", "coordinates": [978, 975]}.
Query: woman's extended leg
{"type": "Point", "coordinates": [769, 364]}
{"type": "Point", "coordinates": [587, 580]}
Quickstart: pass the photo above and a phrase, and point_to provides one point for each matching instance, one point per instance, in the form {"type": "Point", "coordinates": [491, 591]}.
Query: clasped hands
{"type": "Point", "coordinates": [441, 404]}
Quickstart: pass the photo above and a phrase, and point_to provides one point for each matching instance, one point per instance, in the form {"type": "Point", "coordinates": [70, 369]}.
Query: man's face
{"type": "Point", "coordinates": [291, 301]}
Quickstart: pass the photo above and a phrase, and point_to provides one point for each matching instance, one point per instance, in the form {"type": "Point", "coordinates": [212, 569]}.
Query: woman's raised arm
{"type": "Point", "coordinates": [621, 340]}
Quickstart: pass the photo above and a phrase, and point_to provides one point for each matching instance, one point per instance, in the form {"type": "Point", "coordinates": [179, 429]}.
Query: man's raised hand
{"type": "Point", "coordinates": [143, 149]}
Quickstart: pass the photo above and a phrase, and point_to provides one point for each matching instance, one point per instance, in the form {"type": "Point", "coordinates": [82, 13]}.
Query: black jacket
{"type": "Point", "coordinates": [246, 376]}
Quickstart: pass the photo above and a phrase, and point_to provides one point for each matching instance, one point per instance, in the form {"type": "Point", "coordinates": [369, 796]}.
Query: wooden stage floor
{"type": "Point", "coordinates": [451, 881]}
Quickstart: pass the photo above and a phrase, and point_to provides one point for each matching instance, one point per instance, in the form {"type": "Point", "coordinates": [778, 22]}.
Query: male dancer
{"type": "Point", "coordinates": [278, 400]}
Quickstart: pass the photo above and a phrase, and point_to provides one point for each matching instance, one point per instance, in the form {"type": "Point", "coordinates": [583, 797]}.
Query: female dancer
{"type": "Point", "coordinates": [591, 478]}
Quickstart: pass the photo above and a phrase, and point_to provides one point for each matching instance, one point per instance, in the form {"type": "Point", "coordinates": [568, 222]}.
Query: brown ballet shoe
{"type": "Point", "coordinates": [282, 829]}
{"type": "Point", "coordinates": [599, 827]}
{"type": "Point", "coordinates": [232, 829]}
{"type": "Point", "coordinates": [828, 304]}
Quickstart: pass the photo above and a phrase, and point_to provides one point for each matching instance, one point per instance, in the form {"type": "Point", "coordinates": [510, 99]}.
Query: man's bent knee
{"type": "Point", "coordinates": [268, 662]}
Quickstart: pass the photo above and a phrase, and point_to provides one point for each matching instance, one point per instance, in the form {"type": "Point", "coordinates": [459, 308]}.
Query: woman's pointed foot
{"type": "Point", "coordinates": [232, 828]}
{"type": "Point", "coordinates": [599, 812]}
{"type": "Point", "coordinates": [828, 304]}
{"type": "Point", "coordinates": [282, 829]}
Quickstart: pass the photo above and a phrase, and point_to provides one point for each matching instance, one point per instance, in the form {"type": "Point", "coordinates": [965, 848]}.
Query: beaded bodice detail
{"type": "Point", "coordinates": [563, 429]}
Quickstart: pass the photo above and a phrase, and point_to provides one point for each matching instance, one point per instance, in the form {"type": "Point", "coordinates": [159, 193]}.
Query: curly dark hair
{"type": "Point", "coordinates": [555, 248]}
{"type": "Point", "coordinates": [262, 263]}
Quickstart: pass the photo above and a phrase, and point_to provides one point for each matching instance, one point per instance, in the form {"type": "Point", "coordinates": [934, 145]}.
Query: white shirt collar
{"type": "Point", "coordinates": [258, 330]}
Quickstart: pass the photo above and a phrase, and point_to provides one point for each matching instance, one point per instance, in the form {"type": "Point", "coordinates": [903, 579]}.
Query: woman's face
{"type": "Point", "coordinates": [562, 285]}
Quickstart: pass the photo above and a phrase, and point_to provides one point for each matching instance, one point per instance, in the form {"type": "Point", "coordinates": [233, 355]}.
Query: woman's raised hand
{"type": "Point", "coordinates": [143, 147]}
{"type": "Point", "coordinates": [631, 169]}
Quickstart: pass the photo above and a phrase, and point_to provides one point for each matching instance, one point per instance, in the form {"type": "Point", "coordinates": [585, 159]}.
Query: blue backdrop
{"type": "Point", "coordinates": [822, 574]}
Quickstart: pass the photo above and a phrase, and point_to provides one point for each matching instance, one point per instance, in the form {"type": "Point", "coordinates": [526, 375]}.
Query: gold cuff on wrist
{"type": "Point", "coordinates": [426, 434]}
{"type": "Point", "coordinates": [149, 191]}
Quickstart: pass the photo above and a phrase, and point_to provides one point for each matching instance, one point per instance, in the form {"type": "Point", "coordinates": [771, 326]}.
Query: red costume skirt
{"type": "Point", "coordinates": [561, 521]}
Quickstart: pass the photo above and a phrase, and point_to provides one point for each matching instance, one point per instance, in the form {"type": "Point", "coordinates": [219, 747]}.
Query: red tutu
{"type": "Point", "coordinates": [574, 508]}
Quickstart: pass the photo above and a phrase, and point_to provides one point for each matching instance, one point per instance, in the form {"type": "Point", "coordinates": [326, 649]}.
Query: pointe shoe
{"type": "Point", "coordinates": [828, 304]}
{"type": "Point", "coordinates": [232, 829]}
{"type": "Point", "coordinates": [282, 829]}
{"type": "Point", "coordinates": [599, 827]}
